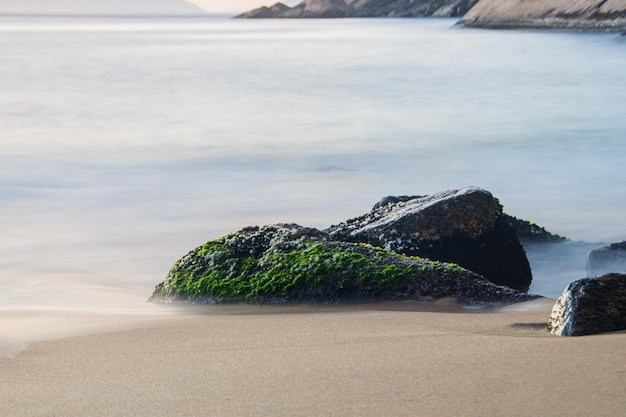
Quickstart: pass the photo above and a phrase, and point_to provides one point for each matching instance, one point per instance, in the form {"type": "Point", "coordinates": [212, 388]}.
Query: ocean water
{"type": "Point", "coordinates": [124, 143]}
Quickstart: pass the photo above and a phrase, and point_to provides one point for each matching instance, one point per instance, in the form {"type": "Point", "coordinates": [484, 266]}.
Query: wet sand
{"type": "Point", "coordinates": [387, 359]}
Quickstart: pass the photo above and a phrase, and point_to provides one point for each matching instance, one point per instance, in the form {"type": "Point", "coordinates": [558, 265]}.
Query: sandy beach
{"type": "Point", "coordinates": [387, 359]}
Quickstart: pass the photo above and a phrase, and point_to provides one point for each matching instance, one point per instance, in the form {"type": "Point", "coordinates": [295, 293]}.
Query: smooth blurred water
{"type": "Point", "coordinates": [124, 143]}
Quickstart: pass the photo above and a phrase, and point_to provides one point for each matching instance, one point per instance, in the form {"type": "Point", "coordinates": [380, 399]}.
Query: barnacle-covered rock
{"type": "Point", "coordinates": [590, 306]}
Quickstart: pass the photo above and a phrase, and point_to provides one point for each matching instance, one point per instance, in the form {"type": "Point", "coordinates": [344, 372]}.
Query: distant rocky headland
{"type": "Point", "coordinates": [363, 8]}
{"type": "Point", "coordinates": [564, 14]}
{"type": "Point", "coordinates": [561, 14]}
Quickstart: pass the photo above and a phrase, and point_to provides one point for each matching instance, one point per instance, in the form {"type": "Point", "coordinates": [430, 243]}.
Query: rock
{"type": "Point", "coordinates": [410, 8]}
{"type": "Point", "coordinates": [590, 306]}
{"type": "Point", "coordinates": [324, 8]}
{"type": "Point", "coordinates": [266, 12]}
{"type": "Point", "coordinates": [574, 14]}
{"type": "Point", "coordinates": [529, 232]}
{"type": "Point", "coordinates": [363, 8]}
{"type": "Point", "coordinates": [466, 227]}
{"type": "Point", "coordinates": [611, 258]}
{"type": "Point", "coordinates": [291, 264]}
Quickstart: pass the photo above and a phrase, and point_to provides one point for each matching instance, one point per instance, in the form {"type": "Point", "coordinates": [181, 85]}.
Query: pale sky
{"type": "Point", "coordinates": [237, 5]}
{"type": "Point", "coordinates": [133, 6]}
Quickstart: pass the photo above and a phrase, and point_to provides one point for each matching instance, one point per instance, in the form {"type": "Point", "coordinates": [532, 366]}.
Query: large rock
{"type": "Point", "coordinates": [466, 227]}
{"type": "Point", "coordinates": [363, 8]}
{"type": "Point", "coordinates": [290, 263]}
{"type": "Point", "coordinates": [611, 258]}
{"type": "Point", "coordinates": [578, 14]}
{"type": "Point", "coordinates": [590, 306]}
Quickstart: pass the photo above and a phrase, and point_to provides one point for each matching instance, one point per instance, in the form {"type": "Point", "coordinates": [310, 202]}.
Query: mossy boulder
{"type": "Point", "coordinates": [293, 264]}
{"type": "Point", "coordinates": [465, 226]}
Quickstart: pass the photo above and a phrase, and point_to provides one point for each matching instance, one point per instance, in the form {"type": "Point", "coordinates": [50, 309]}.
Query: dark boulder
{"type": "Point", "coordinates": [466, 227]}
{"type": "Point", "coordinates": [293, 264]}
{"type": "Point", "coordinates": [590, 306]}
{"type": "Point", "coordinates": [611, 258]}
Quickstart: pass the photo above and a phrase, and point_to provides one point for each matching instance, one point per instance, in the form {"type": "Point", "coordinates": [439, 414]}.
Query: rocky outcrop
{"type": "Point", "coordinates": [363, 8]}
{"type": "Point", "coordinates": [578, 14]}
{"type": "Point", "coordinates": [531, 233]}
{"type": "Point", "coordinates": [294, 264]}
{"type": "Point", "coordinates": [266, 12]}
{"type": "Point", "coordinates": [611, 258]}
{"type": "Point", "coordinates": [590, 306]}
{"type": "Point", "coordinates": [466, 227]}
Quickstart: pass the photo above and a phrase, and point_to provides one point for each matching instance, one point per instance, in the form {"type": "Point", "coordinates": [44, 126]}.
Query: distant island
{"type": "Point", "coordinates": [561, 14]}
{"type": "Point", "coordinates": [99, 7]}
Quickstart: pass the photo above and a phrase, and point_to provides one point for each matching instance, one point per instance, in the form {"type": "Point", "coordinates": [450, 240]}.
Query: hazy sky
{"type": "Point", "coordinates": [237, 5]}
{"type": "Point", "coordinates": [133, 6]}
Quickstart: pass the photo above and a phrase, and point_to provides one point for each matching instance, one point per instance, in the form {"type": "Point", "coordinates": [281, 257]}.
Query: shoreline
{"type": "Point", "coordinates": [366, 360]}
{"type": "Point", "coordinates": [21, 327]}
{"type": "Point", "coordinates": [543, 24]}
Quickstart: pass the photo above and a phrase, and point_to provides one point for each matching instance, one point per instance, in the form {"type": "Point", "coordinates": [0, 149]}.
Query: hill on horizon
{"type": "Point", "coordinates": [121, 7]}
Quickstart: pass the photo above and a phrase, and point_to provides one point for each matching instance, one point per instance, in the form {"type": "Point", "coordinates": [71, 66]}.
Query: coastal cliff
{"type": "Point", "coordinates": [565, 14]}
{"type": "Point", "coordinates": [497, 14]}
{"type": "Point", "coordinates": [363, 8]}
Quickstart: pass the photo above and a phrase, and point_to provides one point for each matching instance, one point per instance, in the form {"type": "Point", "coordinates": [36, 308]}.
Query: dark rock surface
{"type": "Point", "coordinates": [290, 263]}
{"type": "Point", "coordinates": [611, 258]}
{"type": "Point", "coordinates": [590, 306]}
{"type": "Point", "coordinates": [530, 233]}
{"type": "Point", "coordinates": [564, 14]}
{"type": "Point", "coordinates": [464, 226]}
{"type": "Point", "coordinates": [363, 8]}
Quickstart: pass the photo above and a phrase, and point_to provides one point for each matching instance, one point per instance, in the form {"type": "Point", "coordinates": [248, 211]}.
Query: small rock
{"type": "Point", "coordinates": [590, 306]}
{"type": "Point", "coordinates": [611, 258]}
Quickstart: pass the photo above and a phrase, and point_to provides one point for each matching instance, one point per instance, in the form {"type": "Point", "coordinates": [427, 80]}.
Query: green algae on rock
{"type": "Point", "coordinates": [292, 264]}
{"type": "Point", "coordinates": [530, 232]}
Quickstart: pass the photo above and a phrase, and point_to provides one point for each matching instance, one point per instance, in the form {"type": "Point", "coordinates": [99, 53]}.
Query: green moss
{"type": "Point", "coordinates": [449, 268]}
{"type": "Point", "coordinates": [528, 231]}
{"type": "Point", "coordinates": [310, 270]}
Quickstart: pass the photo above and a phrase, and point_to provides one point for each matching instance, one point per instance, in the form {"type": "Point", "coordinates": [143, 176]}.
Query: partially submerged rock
{"type": "Point", "coordinates": [590, 306]}
{"type": "Point", "coordinates": [291, 263]}
{"type": "Point", "coordinates": [363, 8]}
{"type": "Point", "coordinates": [466, 227]}
{"type": "Point", "coordinates": [610, 258]}
{"type": "Point", "coordinates": [529, 232]}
